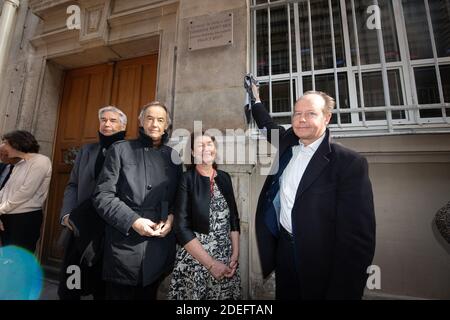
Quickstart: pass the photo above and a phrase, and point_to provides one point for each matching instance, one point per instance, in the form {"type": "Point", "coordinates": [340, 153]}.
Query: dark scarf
{"type": "Point", "coordinates": [105, 143]}
{"type": "Point", "coordinates": [147, 141]}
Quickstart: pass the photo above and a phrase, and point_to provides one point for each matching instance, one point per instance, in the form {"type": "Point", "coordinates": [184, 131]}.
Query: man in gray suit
{"type": "Point", "coordinates": [77, 213]}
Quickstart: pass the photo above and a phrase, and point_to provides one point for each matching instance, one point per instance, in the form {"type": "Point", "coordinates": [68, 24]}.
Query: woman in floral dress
{"type": "Point", "coordinates": [206, 224]}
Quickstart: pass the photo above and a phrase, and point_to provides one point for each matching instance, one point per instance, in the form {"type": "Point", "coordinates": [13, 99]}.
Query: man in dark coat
{"type": "Point", "coordinates": [315, 220]}
{"type": "Point", "coordinates": [134, 195]}
{"type": "Point", "coordinates": [83, 224]}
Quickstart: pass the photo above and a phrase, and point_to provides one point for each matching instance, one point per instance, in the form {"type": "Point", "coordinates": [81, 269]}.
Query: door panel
{"type": "Point", "coordinates": [134, 86]}
{"type": "Point", "coordinates": [97, 98]}
{"type": "Point", "coordinates": [75, 98]}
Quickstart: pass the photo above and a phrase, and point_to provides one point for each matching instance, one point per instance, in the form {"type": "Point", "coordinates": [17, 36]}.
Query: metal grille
{"type": "Point", "coordinates": [390, 79]}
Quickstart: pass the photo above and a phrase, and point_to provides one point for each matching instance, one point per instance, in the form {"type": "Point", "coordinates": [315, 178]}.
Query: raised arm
{"type": "Point", "coordinates": [262, 117]}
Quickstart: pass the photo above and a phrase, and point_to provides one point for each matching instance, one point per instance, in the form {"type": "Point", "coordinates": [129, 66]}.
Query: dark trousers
{"type": "Point", "coordinates": [116, 291]}
{"type": "Point", "coordinates": [22, 229]}
{"type": "Point", "coordinates": [287, 283]}
{"type": "Point", "coordinates": [91, 276]}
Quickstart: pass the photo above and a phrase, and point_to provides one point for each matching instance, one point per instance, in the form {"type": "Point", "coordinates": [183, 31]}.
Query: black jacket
{"type": "Point", "coordinates": [193, 201]}
{"type": "Point", "coordinates": [333, 218]}
{"type": "Point", "coordinates": [137, 181]}
{"type": "Point", "coordinates": [88, 229]}
{"type": "Point", "coordinates": [84, 248]}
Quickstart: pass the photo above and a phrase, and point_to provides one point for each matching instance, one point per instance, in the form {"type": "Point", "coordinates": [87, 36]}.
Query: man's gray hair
{"type": "Point", "coordinates": [122, 116]}
{"type": "Point", "coordinates": [154, 104]}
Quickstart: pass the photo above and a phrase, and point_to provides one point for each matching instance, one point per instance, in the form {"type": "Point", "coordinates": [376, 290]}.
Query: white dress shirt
{"type": "Point", "coordinates": [291, 177]}
{"type": "Point", "coordinates": [27, 187]}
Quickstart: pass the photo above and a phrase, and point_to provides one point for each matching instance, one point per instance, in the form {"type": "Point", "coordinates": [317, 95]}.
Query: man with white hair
{"type": "Point", "coordinates": [83, 247]}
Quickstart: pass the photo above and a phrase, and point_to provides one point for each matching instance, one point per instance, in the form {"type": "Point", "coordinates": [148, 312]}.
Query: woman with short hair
{"type": "Point", "coordinates": [23, 196]}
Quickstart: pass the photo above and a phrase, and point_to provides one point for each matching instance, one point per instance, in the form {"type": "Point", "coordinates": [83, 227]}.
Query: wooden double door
{"type": "Point", "coordinates": [128, 85]}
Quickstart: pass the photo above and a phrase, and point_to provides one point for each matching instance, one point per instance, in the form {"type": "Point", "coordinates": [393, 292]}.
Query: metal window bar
{"type": "Point", "coordinates": [348, 62]}
{"type": "Point", "coordinates": [384, 73]}
{"type": "Point", "coordinates": [271, 4]}
{"type": "Point", "coordinates": [254, 63]}
{"type": "Point", "coordinates": [290, 56]}
{"type": "Point", "coordinates": [435, 58]}
{"type": "Point", "coordinates": [249, 36]}
{"type": "Point", "coordinates": [253, 128]}
{"type": "Point", "coordinates": [394, 108]}
{"type": "Point", "coordinates": [336, 80]}
{"type": "Point", "coordinates": [311, 47]}
{"type": "Point", "coordinates": [255, 45]}
{"type": "Point", "coordinates": [269, 34]}
{"type": "Point", "coordinates": [424, 62]}
{"type": "Point", "coordinates": [298, 51]}
{"type": "Point", "coordinates": [358, 62]}
{"type": "Point", "coordinates": [407, 68]}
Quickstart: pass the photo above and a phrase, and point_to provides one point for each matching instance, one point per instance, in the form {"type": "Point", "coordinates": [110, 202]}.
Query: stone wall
{"type": "Point", "coordinates": [411, 180]}
{"type": "Point", "coordinates": [209, 82]}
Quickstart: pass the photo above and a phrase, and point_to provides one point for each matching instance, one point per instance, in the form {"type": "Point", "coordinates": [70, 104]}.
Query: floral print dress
{"type": "Point", "coordinates": [190, 279]}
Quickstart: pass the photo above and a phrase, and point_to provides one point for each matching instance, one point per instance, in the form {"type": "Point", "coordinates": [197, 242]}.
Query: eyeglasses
{"type": "Point", "coordinates": [306, 115]}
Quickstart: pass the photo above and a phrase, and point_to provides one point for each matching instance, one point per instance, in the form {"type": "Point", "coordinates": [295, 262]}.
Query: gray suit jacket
{"type": "Point", "coordinates": [82, 181]}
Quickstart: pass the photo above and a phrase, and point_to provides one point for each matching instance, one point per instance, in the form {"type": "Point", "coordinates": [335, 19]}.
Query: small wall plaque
{"type": "Point", "coordinates": [210, 31]}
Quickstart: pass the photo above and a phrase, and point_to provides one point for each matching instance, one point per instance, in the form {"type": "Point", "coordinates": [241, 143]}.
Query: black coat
{"type": "Point", "coordinates": [88, 242]}
{"type": "Point", "coordinates": [333, 218]}
{"type": "Point", "coordinates": [137, 181]}
{"type": "Point", "coordinates": [193, 202]}
{"type": "Point", "coordinates": [88, 230]}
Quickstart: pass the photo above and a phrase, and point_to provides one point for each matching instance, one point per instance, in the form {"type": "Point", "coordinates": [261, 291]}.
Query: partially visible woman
{"type": "Point", "coordinates": [206, 224]}
{"type": "Point", "coordinates": [22, 197]}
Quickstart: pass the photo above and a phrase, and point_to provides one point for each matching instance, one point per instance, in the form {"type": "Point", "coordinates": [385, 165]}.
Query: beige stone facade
{"type": "Point", "coordinates": [410, 173]}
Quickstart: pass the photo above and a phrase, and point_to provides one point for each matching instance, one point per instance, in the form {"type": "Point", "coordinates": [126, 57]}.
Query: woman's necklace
{"type": "Point", "coordinates": [211, 179]}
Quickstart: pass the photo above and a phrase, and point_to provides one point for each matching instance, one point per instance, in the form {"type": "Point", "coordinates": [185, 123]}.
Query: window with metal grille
{"type": "Point", "coordinates": [389, 80]}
